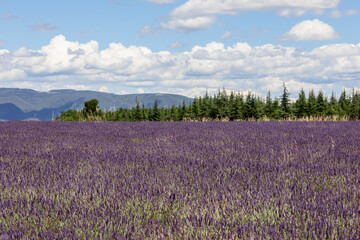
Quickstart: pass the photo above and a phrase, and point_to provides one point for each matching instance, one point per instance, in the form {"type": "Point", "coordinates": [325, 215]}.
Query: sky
{"type": "Point", "coordinates": [186, 47]}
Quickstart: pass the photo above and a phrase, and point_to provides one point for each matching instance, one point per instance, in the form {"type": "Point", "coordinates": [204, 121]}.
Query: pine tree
{"type": "Point", "coordinates": [204, 106]}
{"type": "Point", "coordinates": [268, 106]}
{"type": "Point", "coordinates": [344, 104]}
{"type": "Point", "coordinates": [354, 109]}
{"type": "Point", "coordinates": [276, 114]}
{"type": "Point", "coordinates": [143, 111]}
{"type": "Point", "coordinates": [285, 102]}
{"type": "Point", "coordinates": [222, 104]}
{"type": "Point", "coordinates": [311, 104]}
{"type": "Point", "coordinates": [234, 107]}
{"type": "Point", "coordinates": [320, 104]}
{"type": "Point", "coordinates": [251, 109]}
{"type": "Point", "coordinates": [194, 110]}
{"type": "Point", "coordinates": [332, 109]}
{"type": "Point", "coordinates": [181, 112]}
{"type": "Point", "coordinates": [300, 105]}
{"type": "Point", "coordinates": [156, 112]}
{"type": "Point", "coordinates": [137, 116]}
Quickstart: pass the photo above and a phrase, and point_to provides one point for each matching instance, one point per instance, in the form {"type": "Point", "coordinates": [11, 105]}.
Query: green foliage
{"type": "Point", "coordinates": [285, 101]}
{"type": "Point", "coordinates": [91, 106]}
{"type": "Point", "coordinates": [321, 104]}
{"type": "Point", "coordinates": [300, 105]}
{"type": "Point", "coordinates": [155, 113]}
{"type": "Point", "coordinates": [311, 104]}
{"type": "Point", "coordinates": [138, 115]}
{"type": "Point", "coordinates": [224, 106]}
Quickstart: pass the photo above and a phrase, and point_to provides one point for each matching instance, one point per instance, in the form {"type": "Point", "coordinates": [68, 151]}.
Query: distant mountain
{"type": "Point", "coordinates": [24, 104]}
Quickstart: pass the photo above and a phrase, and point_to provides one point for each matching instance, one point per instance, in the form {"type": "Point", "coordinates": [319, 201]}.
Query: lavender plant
{"type": "Point", "coordinates": [180, 180]}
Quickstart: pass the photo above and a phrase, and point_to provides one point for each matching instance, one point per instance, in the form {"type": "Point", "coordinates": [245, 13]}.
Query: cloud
{"type": "Point", "coordinates": [226, 35]}
{"type": "Point", "coordinates": [148, 30]}
{"type": "Point", "coordinates": [2, 43]}
{"type": "Point", "coordinates": [203, 13]}
{"type": "Point", "coordinates": [43, 27]}
{"type": "Point", "coordinates": [336, 14]}
{"type": "Point", "coordinates": [67, 64]}
{"type": "Point", "coordinates": [339, 14]}
{"type": "Point", "coordinates": [9, 16]}
{"type": "Point", "coordinates": [189, 24]}
{"type": "Point", "coordinates": [176, 45]}
{"type": "Point", "coordinates": [103, 89]}
{"type": "Point", "coordinates": [352, 12]}
{"type": "Point", "coordinates": [140, 90]}
{"type": "Point", "coordinates": [310, 30]}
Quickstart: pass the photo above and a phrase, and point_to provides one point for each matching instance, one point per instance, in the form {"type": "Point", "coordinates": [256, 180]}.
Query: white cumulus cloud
{"type": "Point", "coordinates": [310, 30]}
{"type": "Point", "coordinates": [67, 64]}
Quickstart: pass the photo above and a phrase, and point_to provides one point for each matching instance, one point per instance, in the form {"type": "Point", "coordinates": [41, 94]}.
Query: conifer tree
{"type": "Point", "coordinates": [155, 112]}
{"type": "Point", "coordinates": [344, 104]}
{"type": "Point", "coordinates": [311, 104]}
{"type": "Point", "coordinates": [194, 110]}
{"type": "Point", "coordinates": [300, 105]}
{"type": "Point", "coordinates": [251, 110]}
{"type": "Point", "coordinates": [285, 102]}
{"type": "Point", "coordinates": [268, 109]}
{"type": "Point", "coordinates": [354, 109]}
{"type": "Point", "coordinates": [276, 114]}
{"type": "Point", "coordinates": [234, 107]}
{"type": "Point", "coordinates": [137, 116]}
{"type": "Point", "coordinates": [143, 112]}
{"type": "Point", "coordinates": [332, 106]}
{"type": "Point", "coordinates": [320, 104]}
{"type": "Point", "coordinates": [204, 106]}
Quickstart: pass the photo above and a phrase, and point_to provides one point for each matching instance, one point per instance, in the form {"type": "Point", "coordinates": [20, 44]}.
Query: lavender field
{"type": "Point", "coordinates": [180, 180]}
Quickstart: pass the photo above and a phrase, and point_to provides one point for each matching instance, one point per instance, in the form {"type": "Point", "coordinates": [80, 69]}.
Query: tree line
{"type": "Point", "coordinates": [232, 106]}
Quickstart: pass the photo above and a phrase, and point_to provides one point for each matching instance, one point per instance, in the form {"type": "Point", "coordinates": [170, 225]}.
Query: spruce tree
{"type": "Point", "coordinates": [143, 111]}
{"type": "Point", "coordinates": [268, 106]}
{"type": "Point", "coordinates": [332, 109]}
{"type": "Point", "coordinates": [300, 105]}
{"type": "Point", "coordinates": [311, 104]}
{"type": "Point", "coordinates": [276, 114]}
{"type": "Point", "coordinates": [344, 104]}
{"type": "Point", "coordinates": [156, 112]}
{"type": "Point", "coordinates": [354, 109]}
{"type": "Point", "coordinates": [251, 110]}
{"type": "Point", "coordinates": [194, 110]}
{"type": "Point", "coordinates": [137, 116]}
{"type": "Point", "coordinates": [285, 102]}
{"type": "Point", "coordinates": [204, 106]}
{"type": "Point", "coordinates": [234, 107]}
{"type": "Point", "coordinates": [320, 104]}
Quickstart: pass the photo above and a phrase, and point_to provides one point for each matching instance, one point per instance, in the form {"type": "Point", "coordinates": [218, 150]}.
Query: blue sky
{"type": "Point", "coordinates": [186, 47]}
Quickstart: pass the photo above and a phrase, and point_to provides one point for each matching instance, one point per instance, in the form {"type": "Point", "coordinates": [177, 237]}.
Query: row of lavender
{"type": "Point", "coordinates": [231, 180]}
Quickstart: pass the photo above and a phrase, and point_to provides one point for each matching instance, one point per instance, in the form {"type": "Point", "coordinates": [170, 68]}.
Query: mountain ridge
{"type": "Point", "coordinates": [24, 104]}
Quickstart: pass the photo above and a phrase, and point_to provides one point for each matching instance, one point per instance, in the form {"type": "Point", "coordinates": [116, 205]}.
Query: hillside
{"type": "Point", "coordinates": [23, 104]}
